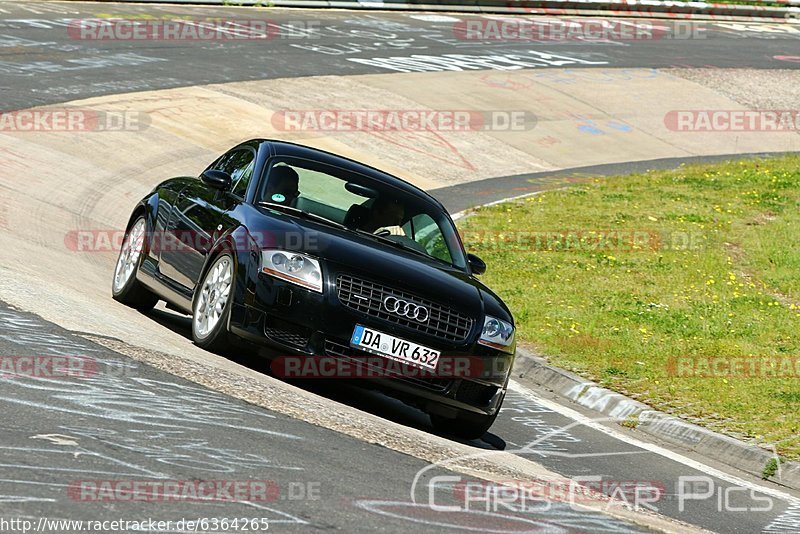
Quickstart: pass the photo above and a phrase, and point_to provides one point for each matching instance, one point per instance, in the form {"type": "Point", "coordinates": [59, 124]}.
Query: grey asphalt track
{"type": "Point", "coordinates": [44, 60]}
{"type": "Point", "coordinates": [461, 197]}
{"type": "Point", "coordinates": [73, 445]}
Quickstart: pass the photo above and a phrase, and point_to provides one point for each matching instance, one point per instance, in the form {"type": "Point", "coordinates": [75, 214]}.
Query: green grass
{"type": "Point", "coordinates": [750, 3]}
{"type": "Point", "coordinates": [770, 468]}
{"type": "Point", "coordinates": [719, 277]}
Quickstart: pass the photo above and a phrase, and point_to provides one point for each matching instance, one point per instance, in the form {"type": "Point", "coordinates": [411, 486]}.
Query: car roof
{"type": "Point", "coordinates": [286, 148]}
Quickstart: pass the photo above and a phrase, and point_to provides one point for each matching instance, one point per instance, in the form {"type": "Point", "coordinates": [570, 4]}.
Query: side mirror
{"type": "Point", "coordinates": [477, 265]}
{"type": "Point", "coordinates": [217, 179]}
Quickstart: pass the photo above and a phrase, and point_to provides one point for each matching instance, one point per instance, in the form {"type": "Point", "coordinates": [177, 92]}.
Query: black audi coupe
{"type": "Point", "coordinates": [318, 257]}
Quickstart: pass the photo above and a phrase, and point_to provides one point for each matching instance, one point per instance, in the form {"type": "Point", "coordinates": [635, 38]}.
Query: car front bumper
{"type": "Point", "coordinates": [292, 321]}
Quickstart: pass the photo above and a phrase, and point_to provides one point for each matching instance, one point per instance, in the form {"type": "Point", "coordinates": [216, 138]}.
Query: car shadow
{"type": "Point", "coordinates": [346, 392]}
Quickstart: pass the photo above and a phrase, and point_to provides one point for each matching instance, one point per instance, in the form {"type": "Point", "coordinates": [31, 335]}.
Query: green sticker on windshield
{"type": "Point", "coordinates": [277, 197]}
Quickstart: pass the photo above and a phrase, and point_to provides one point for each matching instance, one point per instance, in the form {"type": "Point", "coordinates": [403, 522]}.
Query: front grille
{"type": "Point", "coordinates": [338, 350]}
{"type": "Point", "coordinates": [286, 332]}
{"type": "Point", "coordinates": [367, 297]}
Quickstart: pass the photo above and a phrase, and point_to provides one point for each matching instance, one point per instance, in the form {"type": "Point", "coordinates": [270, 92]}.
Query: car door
{"type": "Point", "coordinates": [194, 223]}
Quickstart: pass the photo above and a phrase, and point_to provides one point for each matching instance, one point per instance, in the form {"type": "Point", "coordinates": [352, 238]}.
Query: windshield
{"type": "Point", "coordinates": [363, 205]}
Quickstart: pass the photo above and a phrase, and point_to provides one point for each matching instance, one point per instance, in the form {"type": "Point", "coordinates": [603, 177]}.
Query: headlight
{"type": "Point", "coordinates": [496, 333]}
{"type": "Point", "coordinates": [293, 267]}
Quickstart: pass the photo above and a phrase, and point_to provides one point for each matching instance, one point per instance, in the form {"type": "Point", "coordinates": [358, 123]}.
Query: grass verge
{"type": "Point", "coordinates": [679, 288]}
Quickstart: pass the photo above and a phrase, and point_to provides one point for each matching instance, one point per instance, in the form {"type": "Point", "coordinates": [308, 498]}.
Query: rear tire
{"type": "Point", "coordinates": [212, 306]}
{"type": "Point", "coordinates": [465, 425]}
{"type": "Point", "coordinates": [125, 288]}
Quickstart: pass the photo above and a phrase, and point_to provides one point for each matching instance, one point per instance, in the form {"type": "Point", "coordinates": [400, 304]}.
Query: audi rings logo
{"type": "Point", "coordinates": [404, 308]}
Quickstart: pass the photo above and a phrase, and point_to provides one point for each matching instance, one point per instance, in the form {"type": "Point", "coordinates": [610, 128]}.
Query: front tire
{"type": "Point", "coordinates": [212, 306]}
{"type": "Point", "coordinates": [125, 288]}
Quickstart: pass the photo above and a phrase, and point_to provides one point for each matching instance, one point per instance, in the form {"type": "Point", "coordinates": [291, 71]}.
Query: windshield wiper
{"type": "Point", "coordinates": [304, 214]}
{"type": "Point", "coordinates": [398, 244]}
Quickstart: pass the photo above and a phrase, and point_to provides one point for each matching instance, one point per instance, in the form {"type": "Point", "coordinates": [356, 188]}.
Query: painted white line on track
{"type": "Point", "coordinates": [656, 449]}
{"type": "Point", "coordinates": [432, 17]}
{"type": "Point", "coordinates": [461, 214]}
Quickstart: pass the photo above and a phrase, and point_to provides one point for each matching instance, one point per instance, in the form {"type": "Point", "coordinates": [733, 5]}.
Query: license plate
{"type": "Point", "coordinates": [397, 349]}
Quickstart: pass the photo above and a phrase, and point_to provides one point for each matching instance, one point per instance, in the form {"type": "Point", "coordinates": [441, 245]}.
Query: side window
{"type": "Point", "coordinates": [427, 233]}
{"type": "Point", "coordinates": [240, 186]}
{"type": "Point", "coordinates": [239, 164]}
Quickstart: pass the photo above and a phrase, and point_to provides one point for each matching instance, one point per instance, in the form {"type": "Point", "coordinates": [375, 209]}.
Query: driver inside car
{"type": "Point", "coordinates": [386, 216]}
{"type": "Point", "coordinates": [282, 186]}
